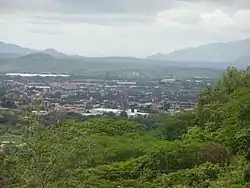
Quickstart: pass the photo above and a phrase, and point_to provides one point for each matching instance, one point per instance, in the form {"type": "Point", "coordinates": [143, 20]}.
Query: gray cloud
{"type": "Point", "coordinates": [127, 27]}
{"type": "Point", "coordinates": [145, 7]}
{"type": "Point", "coordinates": [88, 6]}
{"type": "Point", "coordinates": [110, 12]}
{"type": "Point", "coordinates": [235, 3]}
{"type": "Point", "coordinates": [139, 6]}
{"type": "Point", "coordinates": [103, 12]}
{"type": "Point", "coordinates": [100, 19]}
{"type": "Point", "coordinates": [118, 6]}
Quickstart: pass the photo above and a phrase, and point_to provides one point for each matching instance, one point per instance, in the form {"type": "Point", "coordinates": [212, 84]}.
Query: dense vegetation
{"type": "Point", "coordinates": [208, 147]}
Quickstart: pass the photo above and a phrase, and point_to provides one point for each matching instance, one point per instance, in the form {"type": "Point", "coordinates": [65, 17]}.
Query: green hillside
{"type": "Point", "coordinates": [208, 147]}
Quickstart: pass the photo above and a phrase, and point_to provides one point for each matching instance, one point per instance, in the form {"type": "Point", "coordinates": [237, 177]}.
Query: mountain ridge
{"type": "Point", "coordinates": [213, 52]}
{"type": "Point", "coordinates": [6, 48]}
{"type": "Point", "coordinates": [12, 50]}
{"type": "Point", "coordinates": [52, 55]}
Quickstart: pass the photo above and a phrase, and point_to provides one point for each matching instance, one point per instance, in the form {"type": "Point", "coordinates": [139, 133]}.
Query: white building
{"type": "Point", "coordinates": [136, 114]}
{"type": "Point", "coordinates": [117, 112]}
{"type": "Point", "coordinates": [105, 110]}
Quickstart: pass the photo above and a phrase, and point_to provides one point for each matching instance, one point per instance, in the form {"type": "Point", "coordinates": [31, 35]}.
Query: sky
{"type": "Point", "coordinates": [122, 27]}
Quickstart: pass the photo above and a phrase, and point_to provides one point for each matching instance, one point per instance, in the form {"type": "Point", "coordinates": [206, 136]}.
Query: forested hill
{"type": "Point", "coordinates": [208, 147]}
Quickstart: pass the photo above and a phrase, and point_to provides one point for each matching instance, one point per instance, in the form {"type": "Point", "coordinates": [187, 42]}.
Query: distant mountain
{"type": "Point", "coordinates": [14, 58]}
{"type": "Point", "coordinates": [214, 52]}
{"type": "Point", "coordinates": [37, 56]}
{"type": "Point", "coordinates": [244, 59]}
{"type": "Point", "coordinates": [54, 53]}
{"type": "Point", "coordinates": [242, 62]}
{"type": "Point", "coordinates": [9, 56]}
{"type": "Point", "coordinates": [13, 49]}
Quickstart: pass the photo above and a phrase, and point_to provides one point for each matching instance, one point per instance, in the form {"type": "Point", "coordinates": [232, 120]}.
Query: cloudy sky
{"type": "Point", "coordinates": [122, 27]}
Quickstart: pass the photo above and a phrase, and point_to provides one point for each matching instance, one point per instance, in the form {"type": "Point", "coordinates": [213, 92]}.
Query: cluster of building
{"type": "Point", "coordinates": [130, 113]}
{"type": "Point", "coordinates": [97, 97]}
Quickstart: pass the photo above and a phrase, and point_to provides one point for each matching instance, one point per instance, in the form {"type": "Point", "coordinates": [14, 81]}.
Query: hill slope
{"type": "Point", "coordinates": [54, 53]}
{"type": "Point", "coordinates": [243, 61]}
{"type": "Point", "coordinates": [208, 147]}
{"type": "Point", "coordinates": [13, 49]}
{"type": "Point", "coordinates": [101, 67]}
{"type": "Point", "coordinates": [214, 52]}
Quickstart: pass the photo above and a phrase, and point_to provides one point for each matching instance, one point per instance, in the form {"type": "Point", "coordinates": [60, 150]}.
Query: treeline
{"type": "Point", "coordinates": [208, 147]}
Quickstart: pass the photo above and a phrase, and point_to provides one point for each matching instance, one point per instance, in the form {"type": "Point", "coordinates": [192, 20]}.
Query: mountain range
{"type": "Point", "coordinates": [216, 56]}
{"type": "Point", "coordinates": [214, 52]}
{"type": "Point", "coordinates": [13, 50]}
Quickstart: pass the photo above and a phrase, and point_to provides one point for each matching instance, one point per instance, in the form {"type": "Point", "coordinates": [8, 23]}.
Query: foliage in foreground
{"type": "Point", "coordinates": [208, 147]}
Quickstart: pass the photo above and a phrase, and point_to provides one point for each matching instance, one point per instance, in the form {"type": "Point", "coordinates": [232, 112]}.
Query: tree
{"type": "Point", "coordinates": [124, 114]}
{"type": "Point", "coordinates": [8, 103]}
{"type": "Point", "coordinates": [50, 157]}
{"type": "Point", "coordinates": [111, 127]}
{"type": "Point", "coordinates": [166, 106]}
{"type": "Point", "coordinates": [200, 176]}
{"type": "Point", "coordinates": [174, 127]}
